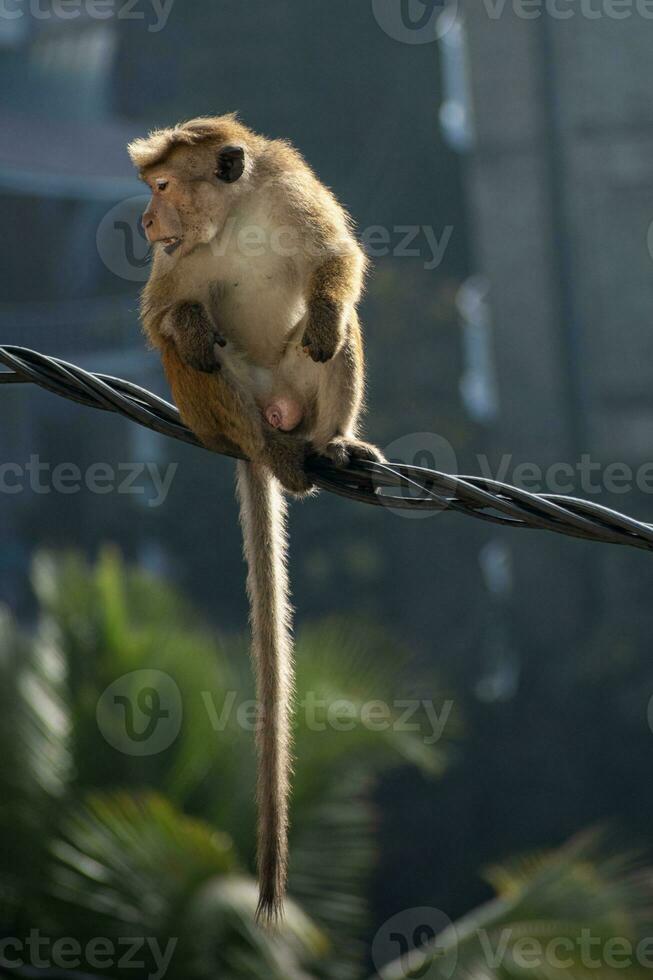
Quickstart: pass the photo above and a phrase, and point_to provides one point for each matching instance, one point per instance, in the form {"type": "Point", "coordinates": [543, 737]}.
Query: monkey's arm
{"type": "Point", "coordinates": [195, 336]}
{"type": "Point", "coordinates": [335, 287]}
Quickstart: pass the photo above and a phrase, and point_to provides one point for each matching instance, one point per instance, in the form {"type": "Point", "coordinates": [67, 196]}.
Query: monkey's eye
{"type": "Point", "coordinates": [161, 185]}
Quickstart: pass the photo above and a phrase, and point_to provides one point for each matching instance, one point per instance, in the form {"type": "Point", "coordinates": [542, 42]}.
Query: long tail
{"type": "Point", "coordinates": [263, 520]}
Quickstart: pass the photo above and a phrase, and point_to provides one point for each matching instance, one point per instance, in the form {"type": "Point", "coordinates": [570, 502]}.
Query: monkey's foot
{"type": "Point", "coordinates": [342, 451]}
{"type": "Point", "coordinates": [286, 457]}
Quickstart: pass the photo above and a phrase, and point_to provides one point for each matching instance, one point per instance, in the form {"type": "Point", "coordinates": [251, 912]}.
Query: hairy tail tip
{"type": "Point", "coordinates": [270, 909]}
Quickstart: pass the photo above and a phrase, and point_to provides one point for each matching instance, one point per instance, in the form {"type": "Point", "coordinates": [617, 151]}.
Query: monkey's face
{"type": "Point", "coordinates": [193, 191]}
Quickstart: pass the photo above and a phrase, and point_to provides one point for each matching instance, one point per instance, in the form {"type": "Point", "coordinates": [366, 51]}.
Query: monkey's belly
{"type": "Point", "coordinates": [279, 404]}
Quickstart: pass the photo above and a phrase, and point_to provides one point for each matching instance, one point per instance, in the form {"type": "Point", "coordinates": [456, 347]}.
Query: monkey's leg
{"type": "Point", "coordinates": [340, 403]}
{"type": "Point", "coordinates": [194, 334]}
{"type": "Point", "coordinates": [226, 419]}
{"type": "Point", "coordinates": [285, 455]}
{"type": "Point", "coordinates": [331, 293]}
{"type": "Point", "coordinates": [215, 409]}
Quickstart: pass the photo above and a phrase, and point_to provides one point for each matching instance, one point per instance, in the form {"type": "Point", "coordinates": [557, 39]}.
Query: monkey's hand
{"type": "Point", "coordinates": [197, 341]}
{"type": "Point", "coordinates": [325, 330]}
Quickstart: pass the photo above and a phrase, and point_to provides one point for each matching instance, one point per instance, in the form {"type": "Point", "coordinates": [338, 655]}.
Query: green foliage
{"type": "Point", "coordinates": [571, 913]}
{"type": "Point", "coordinates": [110, 843]}
{"type": "Point", "coordinates": [142, 868]}
{"type": "Point", "coordinates": [162, 845]}
{"type": "Point", "coordinates": [37, 764]}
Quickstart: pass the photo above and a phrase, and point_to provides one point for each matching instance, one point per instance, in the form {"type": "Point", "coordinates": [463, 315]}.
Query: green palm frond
{"type": "Point", "coordinates": [332, 856]}
{"type": "Point", "coordinates": [109, 618]}
{"type": "Point", "coordinates": [35, 727]}
{"type": "Point", "coordinates": [353, 703]}
{"type": "Point", "coordinates": [134, 866]}
{"type": "Point", "coordinates": [135, 858]}
{"type": "Point", "coordinates": [572, 913]}
{"type": "Point", "coordinates": [109, 621]}
{"type": "Point", "coordinates": [355, 718]}
{"type": "Point", "coordinates": [37, 765]}
{"type": "Point", "coordinates": [228, 943]}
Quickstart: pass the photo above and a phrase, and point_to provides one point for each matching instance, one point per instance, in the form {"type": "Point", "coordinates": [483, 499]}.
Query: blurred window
{"type": "Point", "coordinates": [456, 116]}
{"type": "Point", "coordinates": [478, 385]}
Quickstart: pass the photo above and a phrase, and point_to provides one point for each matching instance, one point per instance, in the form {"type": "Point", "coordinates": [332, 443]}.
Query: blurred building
{"type": "Point", "coordinates": [63, 168]}
{"type": "Point", "coordinates": [554, 119]}
{"type": "Point", "coordinates": [77, 89]}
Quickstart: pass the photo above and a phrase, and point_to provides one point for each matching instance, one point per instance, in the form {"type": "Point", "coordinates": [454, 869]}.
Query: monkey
{"type": "Point", "coordinates": [252, 303]}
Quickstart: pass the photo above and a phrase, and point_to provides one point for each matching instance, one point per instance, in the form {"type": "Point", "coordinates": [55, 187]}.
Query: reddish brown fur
{"type": "Point", "coordinates": [221, 408]}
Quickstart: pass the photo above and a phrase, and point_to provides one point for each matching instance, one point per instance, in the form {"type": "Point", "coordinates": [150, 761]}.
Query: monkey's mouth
{"type": "Point", "coordinates": [170, 245]}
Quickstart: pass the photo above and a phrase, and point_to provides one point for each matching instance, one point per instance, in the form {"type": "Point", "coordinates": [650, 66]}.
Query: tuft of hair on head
{"type": "Point", "coordinates": [156, 146]}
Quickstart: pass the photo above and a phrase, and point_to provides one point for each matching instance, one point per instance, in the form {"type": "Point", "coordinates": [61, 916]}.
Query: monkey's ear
{"type": "Point", "coordinates": [230, 164]}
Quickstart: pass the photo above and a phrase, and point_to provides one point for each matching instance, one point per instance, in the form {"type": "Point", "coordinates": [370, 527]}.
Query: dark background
{"type": "Point", "coordinates": [541, 163]}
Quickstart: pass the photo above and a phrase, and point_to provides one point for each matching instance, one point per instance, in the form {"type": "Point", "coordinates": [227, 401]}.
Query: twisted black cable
{"type": "Point", "coordinates": [370, 483]}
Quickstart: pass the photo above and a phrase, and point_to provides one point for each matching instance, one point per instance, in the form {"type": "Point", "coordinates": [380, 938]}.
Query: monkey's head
{"type": "Point", "coordinates": [195, 171]}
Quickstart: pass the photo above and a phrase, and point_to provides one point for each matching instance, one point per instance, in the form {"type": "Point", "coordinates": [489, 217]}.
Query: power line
{"type": "Point", "coordinates": [396, 486]}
